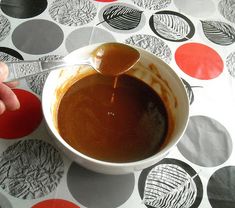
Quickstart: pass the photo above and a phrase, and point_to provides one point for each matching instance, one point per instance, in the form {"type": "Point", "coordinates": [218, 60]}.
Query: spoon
{"type": "Point", "coordinates": [110, 59]}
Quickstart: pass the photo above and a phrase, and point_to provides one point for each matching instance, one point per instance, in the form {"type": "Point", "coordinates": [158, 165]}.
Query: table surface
{"type": "Point", "coordinates": [196, 38]}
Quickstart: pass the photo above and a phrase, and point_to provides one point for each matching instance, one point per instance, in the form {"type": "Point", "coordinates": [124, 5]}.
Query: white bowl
{"type": "Point", "coordinates": [161, 78]}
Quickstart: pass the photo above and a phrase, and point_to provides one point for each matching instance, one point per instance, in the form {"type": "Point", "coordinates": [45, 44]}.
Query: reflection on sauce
{"type": "Point", "coordinates": [131, 126]}
{"type": "Point", "coordinates": [114, 58]}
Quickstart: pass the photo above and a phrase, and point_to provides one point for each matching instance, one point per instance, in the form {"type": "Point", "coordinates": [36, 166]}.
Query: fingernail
{"type": "Point", "coordinates": [17, 104]}
{"type": "Point", "coordinates": [2, 107]}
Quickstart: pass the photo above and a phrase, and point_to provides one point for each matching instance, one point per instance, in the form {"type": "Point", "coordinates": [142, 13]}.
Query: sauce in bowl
{"type": "Point", "coordinates": [131, 126]}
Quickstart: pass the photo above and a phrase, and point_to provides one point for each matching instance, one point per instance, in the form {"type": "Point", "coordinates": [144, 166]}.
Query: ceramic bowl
{"type": "Point", "coordinates": [150, 69]}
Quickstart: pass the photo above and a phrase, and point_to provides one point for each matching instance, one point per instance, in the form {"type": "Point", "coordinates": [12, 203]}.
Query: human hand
{"type": "Point", "coordinates": [8, 99]}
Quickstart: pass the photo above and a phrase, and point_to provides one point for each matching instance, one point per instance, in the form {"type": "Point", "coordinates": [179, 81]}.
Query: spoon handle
{"type": "Point", "coordinates": [22, 69]}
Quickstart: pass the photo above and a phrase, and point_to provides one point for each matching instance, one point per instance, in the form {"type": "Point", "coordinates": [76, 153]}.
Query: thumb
{"type": "Point", "coordinates": [3, 71]}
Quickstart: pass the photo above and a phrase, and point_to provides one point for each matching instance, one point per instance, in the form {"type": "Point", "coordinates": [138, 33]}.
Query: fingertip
{"type": "Point", "coordinates": [8, 98]}
{"type": "Point", "coordinates": [12, 84]}
{"type": "Point", "coordinates": [17, 104]}
{"type": "Point", "coordinates": [3, 71]}
{"type": "Point", "coordinates": [14, 104]}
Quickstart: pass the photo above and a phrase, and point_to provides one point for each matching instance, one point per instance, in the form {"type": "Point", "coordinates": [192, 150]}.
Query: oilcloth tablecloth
{"type": "Point", "coordinates": [196, 38]}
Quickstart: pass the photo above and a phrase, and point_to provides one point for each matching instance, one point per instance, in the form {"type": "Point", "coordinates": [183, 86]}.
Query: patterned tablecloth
{"type": "Point", "coordinates": [196, 38]}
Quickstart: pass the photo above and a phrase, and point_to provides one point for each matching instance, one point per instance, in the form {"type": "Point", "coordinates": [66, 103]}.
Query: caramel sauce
{"type": "Point", "coordinates": [120, 120]}
{"type": "Point", "coordinates": [114, 58]}
{"type": "Point", "coordinates": [112, 116]}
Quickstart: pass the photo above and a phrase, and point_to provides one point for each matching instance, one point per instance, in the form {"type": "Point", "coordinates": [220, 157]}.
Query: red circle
{"type": "Point", "coordinates": [199, 61]}
{"type": "Point", "coordinates": [19, 123]}
{"type": "Point", "coordinates": [56, 203]}
{"type": "Point", "coordinates": [105, 0]}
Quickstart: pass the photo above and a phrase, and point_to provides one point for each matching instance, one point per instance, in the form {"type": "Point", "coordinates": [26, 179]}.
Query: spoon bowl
{"type": "Point", "coordinates": [114, 59]}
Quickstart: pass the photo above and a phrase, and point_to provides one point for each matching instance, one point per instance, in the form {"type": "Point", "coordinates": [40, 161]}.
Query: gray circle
{"type": "Point", "coordinates": [30, 169]}
{"type": "Point", "coordinates": [122, 18]}
{"type": "Point", "coordinates": [196, 8]}
{"type": "Point", "coordinates": [152, 5]}
{"type": "Point", "coordinates": [72, 13]}
{"type": "Point", "coordinates": [4, 202]}
{"type": "Point", "coordinates": [37, 82]}
{"type": "Point", "coordinates": [99, 190]}
{"type": "Point", "coordinates": [227, 9]}
{"type": "Point", "coordinates": [230, 64]}
{"type": "Point", "coordinates": [37, 36]}
{"type": "Point", "coordinates": [85, 36]}
{"type": "Point", "coordinates": [151, 44]}
{"type": "Point", "coordinates": [206, 142]}
{"type": "Point", "coordinates": [5, 27]}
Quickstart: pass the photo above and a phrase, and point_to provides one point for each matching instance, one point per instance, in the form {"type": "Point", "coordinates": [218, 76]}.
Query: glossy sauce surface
{"type": "Point", "coordinates": [121, 124]}
{"type": "Point", "coordinates": [114, 58]}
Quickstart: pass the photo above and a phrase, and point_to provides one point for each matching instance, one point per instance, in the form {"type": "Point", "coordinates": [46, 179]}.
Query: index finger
{"type": "Point", "coordinates": [3, 71]}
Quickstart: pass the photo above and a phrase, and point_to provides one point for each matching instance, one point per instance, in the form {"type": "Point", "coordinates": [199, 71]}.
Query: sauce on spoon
{"type": "Point", "coordinates": [114, 59]}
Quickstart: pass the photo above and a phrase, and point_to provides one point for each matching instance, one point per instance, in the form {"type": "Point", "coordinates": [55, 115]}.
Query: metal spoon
{"type": "Point", "coordinates": [107, 59]}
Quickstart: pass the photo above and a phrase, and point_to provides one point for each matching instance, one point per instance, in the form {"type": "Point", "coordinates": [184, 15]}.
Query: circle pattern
{"type": "Point", "coordinates": [219, 32]}
{"type": "Point", "coordinates": [23, 8]}
{"type": "Point", "coordinates": [204, 141]}
{"type": "Point", "coordinates": [98, 190]}
{"type": "Point", "coordinates": [5, 27]}
{"type": "Point", "coordinates": [121, 17]}
{"type": "Point", "coordinates": [227, 9]}
{"type": "Point", "coordinates": [72, 13]}
{"type": "Point", "coordinates": [8, 54]}
{"type": "Point", "coordinates": [190, 90]}
{"type": "Point", "coordinates": [170, 183]}
{"type": "Point", "coordinates": [197, 9]}
{"type": "Point", "coordinates": [44, 36]}
{"type": "Point", "coordinates": [57, 203]}
{"type": "Point", "coordinates": [106, 0]}
{"type": "Point", "coordinates": [30, 169]}
{"type": "Point", "coordinates": [85, 36]}
{"type": "Point", "coordinates": [37, 82]}
{"type": "Point", "coordinates": [151, 44]}
{"type": "Point", "coordinates": [205, 63]}
{"type": "Point", "coordinates": [152, 5]}
{"type": "Point", "coordinates": [19, 123]}
{"type": "Point", "coordinates": [4, 202]}
{"type": "Point", "coordinates": [221, 188]}
{"type": "Point", "coordinates": [172, 26]}
{"type": "Point", "coordinates": [230, 64]}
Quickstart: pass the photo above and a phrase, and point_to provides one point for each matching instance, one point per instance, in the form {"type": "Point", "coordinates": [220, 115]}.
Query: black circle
{"type": "Point", "coordinates": [169, 20]}
{"type": "Point", "coordinates": [221, 188]}
{"type": "Point", "coordinates": [10, 52]}
{"type": "Point", "coordinates": [23, 8]}
{"type": "Point", "coordinates": [183, 165]}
